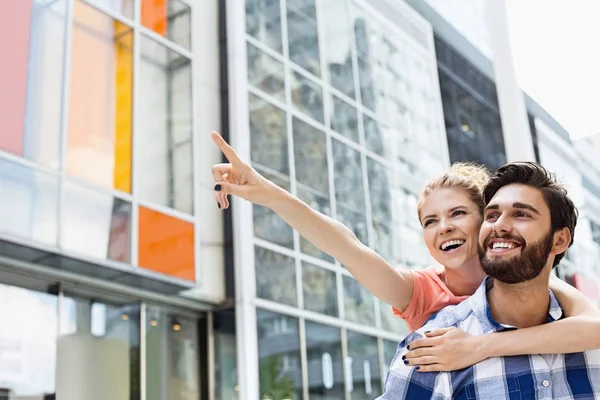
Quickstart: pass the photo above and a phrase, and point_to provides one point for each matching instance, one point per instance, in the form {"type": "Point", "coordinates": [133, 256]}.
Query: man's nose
{"type": "Point", "coordinates": [502, 225]}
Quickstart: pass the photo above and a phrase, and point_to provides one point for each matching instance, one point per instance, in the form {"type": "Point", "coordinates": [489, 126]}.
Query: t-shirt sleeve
{"type": "Point", "coordinates": [426, 291]}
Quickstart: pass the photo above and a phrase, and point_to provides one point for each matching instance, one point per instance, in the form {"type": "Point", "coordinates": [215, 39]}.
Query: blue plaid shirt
{"type": "Point", "coordinates": [556, 376]}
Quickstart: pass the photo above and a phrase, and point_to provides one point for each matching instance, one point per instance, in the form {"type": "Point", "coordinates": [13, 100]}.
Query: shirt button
{"type": "Point", "coordinates": [546, 383]}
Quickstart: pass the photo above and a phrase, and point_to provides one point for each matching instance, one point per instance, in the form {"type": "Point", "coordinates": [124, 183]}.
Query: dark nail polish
{"type": "Point", "coordinates": [408, 347]}
{"type": "Point", "coordinates": [404, 357]}
{"type": "Point", "coordinates": [406, 362]}
{"type": "Point", "coordinates": [417, 368]}
{"type": "Point", "coordinates": [219, 204]}
{"type": "Point", "coordinates": [217, 187]}
{"type": "Point", "coordinates": [427, 331]}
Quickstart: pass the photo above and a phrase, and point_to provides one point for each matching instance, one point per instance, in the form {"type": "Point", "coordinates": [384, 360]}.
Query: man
{"type": "Point", "coordinates": [529, 223]}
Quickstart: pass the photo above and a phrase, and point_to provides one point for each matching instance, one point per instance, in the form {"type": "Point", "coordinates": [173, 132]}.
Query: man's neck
{"type": "Point", "coordinates": [465, 280]}
{"type": "Point", "coordinates": [521, 305]}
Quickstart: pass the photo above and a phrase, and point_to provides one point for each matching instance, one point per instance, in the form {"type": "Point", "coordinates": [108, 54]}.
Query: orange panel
{"type": "Point", "coordinates": [166, 244]}
{"type": "Point", "coordinates": [123, 107]}
{"type": "Point", "coordinates": [99, 141]}
{"type": "Point", "coordinates": [14, 47]}
{"type": "Point", "coordinates": [154, 15]}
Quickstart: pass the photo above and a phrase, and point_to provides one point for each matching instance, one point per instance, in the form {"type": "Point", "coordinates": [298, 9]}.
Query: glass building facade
{"type": "Point", "coordinates": [344, 111]}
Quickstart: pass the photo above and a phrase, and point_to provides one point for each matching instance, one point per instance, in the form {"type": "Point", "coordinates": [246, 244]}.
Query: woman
{"type": "Point", "coordinates": [450, 211]}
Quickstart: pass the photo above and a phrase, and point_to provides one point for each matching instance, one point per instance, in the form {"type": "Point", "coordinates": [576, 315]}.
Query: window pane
{"type": "Point", "coordinates": [225, 351]}
{"type": "Point", "coordinates": [28, 357]}
{"type": "Point", "coordinates": [321, 204]}
{"type": "Point", "coordinates": [358, 302]}
{"type": "Point", "coordinates": [265, 73]}
{"type": "Point", "coordinates": [379, 191]}
{"type": "Point", "coordinates": [348, 177]}
{"type": "Point", "coordinates": [338, 39]}
{"type": "Point", "coordinates": [166, 244]}
{"type": "Point", "coordinates": [29, 203]}
{"type": "Point", "coordinates": [325, 362]}
{"type": "Point", "coordinates": [268, 135]}
{"type": "Point", "coordinates": [310, 156]}
{"type": "Point", "coordinates": [124, 7]}
{"type": "Point", "coordinates": [164, 153]}
{"type": "Point", "coordinates": [263, 21]}
{"type": "Point", "coordinates": [172, 356]}
{"type": "Point", "coordinates": [320, 293]}
{"type": "Point", "coordinates": [391, 322]}
{"type": "Point", "coordinates": [279, 356]}
{"type": "Point", "coordinates": [267, 224]}
{"type": "Point", "coordinates": [99, 142]}
{"type": "Point", "coordinates": [275, 276]}
{"type": "Point", "coordinates": [307, 96]}
{"type": "Point", "coordinates": [389, 351]}
{"type": "Point", "coordinates": [107, 334]}
{"type": "Point", "coordinates": [373, 136]}
{"type": "Point", "coordinates": [344, 119]}
{"type": "Point", "coordinates": [303, 37]}
{"type": "Point", "coordinates": [168, 18]}
{"type": "Point", "coordinates": [106, 221]}
{"type": "Point", "coordinates": [366, 378]}
{"type": "Point", "coordinates": [355, 221]}
{"type": "Point", "coordinates": [32, 78]}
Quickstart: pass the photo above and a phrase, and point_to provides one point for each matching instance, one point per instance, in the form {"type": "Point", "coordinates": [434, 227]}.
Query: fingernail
{"type": "Point", "coordinates": [406, 362]}
{"type": "Point", "coordinates": [408, 347]}
{"type": "Point", "coordinates": [404, 357]}
{"type": "Point", "coordinates": [217, 187]}
{"type": "Point", "coordinates": [219, 204]}
{"type": "Point", "coordinates": [427, 331]}
{"type": "Point", "coordinates": [417, 368]}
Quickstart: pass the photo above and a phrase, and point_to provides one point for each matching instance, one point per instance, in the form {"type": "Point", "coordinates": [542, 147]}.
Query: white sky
{"type": "Point", "coordinates": [556, 50]}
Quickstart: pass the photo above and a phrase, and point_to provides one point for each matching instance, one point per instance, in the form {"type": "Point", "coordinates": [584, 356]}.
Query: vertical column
{"type": "Point", "coordinates": [245, 289]}
{"type": "Point", "coordinates": [515, 124]}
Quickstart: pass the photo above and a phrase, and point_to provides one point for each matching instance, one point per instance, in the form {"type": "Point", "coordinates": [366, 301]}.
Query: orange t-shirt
{"type": "Point", "coordinates": [430, 295]}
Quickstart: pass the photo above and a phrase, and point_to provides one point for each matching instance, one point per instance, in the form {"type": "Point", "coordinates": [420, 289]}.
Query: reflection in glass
{"type": "Point", "coordinates": [29, 203]}
{"type": "Point", "coordinates": [303, 37]}
{"type": "Point", "coordinates": [263, 22]}
{"type": "Point", "coordinates": [265, 72]}
{"type": "Point", "coordinates": [319, 287]}
{"type": "Point", "coordinates": [32, 78]}
{"type": "Point", "coordinates": [124, 7]}
{"type": "Point", "coordinates": [391, 322]}
{"type": "Point", "coordinates": [366, 378]}
{"type": "Point", "coordinates": [344, 119]}
{"type": "Point", "coordinates": [358, 302]}
{"type": "Point", "coordinates": [280, 372]}
{"type": "Point", "coordinates": [321, 204]}
{"type": "Point", "coordinates": [164, 154]}
{"type": "Point", "coordinates": [268, 135]}
{"type": "Point", "coordinates": [275, 276]}
{"type": "Point", "coordinates": [267, 224]}
{"type": "Point", "coordinates": [348, 177]}
{"type": "Point", "coordinates": [355, 221]}
{"type": "Point", "coordinates": [171, 20]}
{"type": "Point", "coordinates": [104, 219]}
{"type": "Point", "coordinates": [310, 156]}
{"type": "Point", "coordinates": [373, 136]}
{"type": "Point", "coordinates": [107, 334]}
{"type": "Point", "coordinates": [27, 353]}
{"type": "Point", "coordinates": [338, 40]}
{"type": "Point", "coordinates": [379, 191]}
{"type": "Point", "coordinates": [225, 350]}
{"type": "Point", "coordinates": [100, 115]}
{"type": "Point", "coordinates": [307, 96]}
{"type": "Point", "coordinates": [172, 356]}
{"type": "Point", "coordinates": [325, 362]}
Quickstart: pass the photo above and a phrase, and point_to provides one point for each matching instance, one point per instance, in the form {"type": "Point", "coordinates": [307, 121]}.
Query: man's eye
{"type": "Point", "coordinates": [491, 216]}
{"type": "Point", "coordinates": [522, 215]}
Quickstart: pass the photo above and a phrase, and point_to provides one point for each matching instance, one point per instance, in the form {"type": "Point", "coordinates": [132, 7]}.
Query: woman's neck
{"type": "Point", "coordinates": [465, 280]}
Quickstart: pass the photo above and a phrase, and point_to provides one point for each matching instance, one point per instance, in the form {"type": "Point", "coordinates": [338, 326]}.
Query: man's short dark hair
{"type": "Point", "coordinates": [563, 213]}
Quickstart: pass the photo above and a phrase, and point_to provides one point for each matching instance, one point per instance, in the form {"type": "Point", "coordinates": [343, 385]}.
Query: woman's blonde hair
{"type": "Point", "coordinates": [468, 176]}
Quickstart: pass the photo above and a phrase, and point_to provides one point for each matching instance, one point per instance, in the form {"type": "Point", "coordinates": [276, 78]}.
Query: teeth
{"type": "Point", "coordinates": [502, 245]}
{"type": "Point", "coordinates": [452, 242]}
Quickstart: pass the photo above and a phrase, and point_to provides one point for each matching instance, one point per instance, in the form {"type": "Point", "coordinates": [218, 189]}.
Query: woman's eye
{"type": "Point", "coordinates": [428, 222]}
{"type": "Point", "coordinates": [458, 212]}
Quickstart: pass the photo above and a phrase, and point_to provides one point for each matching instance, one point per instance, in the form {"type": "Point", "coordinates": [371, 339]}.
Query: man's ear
{"type": "Point", "coordinates": [561, 241]}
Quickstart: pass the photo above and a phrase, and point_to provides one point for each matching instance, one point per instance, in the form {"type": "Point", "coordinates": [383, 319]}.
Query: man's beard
{"type": "Point", "coordinates": [520, 268]}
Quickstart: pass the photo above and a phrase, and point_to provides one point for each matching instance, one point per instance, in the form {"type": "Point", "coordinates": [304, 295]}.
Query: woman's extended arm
{"type": "Point", "coordinates": [393, 286]}
{"type": "Point", "coordinates": [451, 349]}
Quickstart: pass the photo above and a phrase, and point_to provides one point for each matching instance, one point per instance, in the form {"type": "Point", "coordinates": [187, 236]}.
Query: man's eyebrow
{"type": "Point", "coordinates": [526, 206]}
{"type": "Point", "coordinates": [515, 205]}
